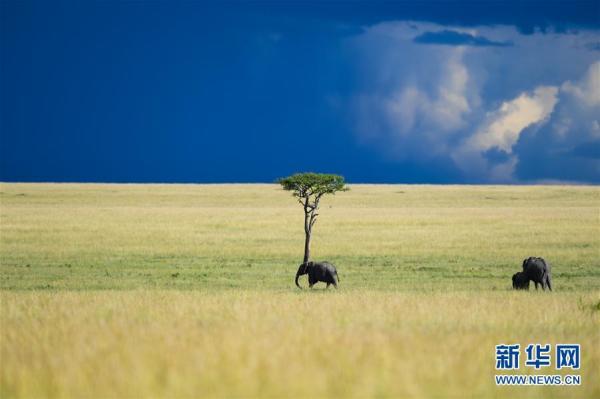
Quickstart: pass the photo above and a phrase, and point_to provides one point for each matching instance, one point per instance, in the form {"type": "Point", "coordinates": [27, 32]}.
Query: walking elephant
{"type": "Point", "coordinates": [318, 271]}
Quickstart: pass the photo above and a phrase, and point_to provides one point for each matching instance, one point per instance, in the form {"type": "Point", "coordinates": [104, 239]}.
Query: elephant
{"type": "Point", "coordinates": [538, 271]}
{"type": "Point", "coordinates": [318, 271]}
{"type": "Point", "coordinates": [520, 281]}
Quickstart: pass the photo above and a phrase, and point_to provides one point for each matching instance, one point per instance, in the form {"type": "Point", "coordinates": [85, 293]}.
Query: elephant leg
{"type": "Point", "coordinates": [536, 285]}
{"type": "Point", "coordinates": [328, 284]}
{"type": "Point", "coordinates": [549, 282]}
{"type": "Point", "coordinates": [310, 285]}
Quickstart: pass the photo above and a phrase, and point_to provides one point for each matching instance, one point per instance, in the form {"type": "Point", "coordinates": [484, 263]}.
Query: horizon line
{"type": "Point", "coordinates": [516, 184]}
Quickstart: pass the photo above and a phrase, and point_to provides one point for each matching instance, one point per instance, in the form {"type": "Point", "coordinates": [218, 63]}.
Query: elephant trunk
{"type": "Point", "coordinates": [297, 277]}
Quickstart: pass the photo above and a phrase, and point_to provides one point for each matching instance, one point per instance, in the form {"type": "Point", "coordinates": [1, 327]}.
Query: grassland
{"type": "Point", "coordinates": [187, 290]}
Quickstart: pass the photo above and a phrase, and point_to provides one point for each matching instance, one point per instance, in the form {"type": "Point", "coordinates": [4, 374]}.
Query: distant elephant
{"type": "Point", "coordinates": [538, 271]}
{"type": "Point", "coordinates": [520, 281]}
{"type": "Point", "coordinates": [318, 271]}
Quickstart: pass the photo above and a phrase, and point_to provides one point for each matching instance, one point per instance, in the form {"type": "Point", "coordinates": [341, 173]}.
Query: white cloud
{"type": "Point", "coordinates": [503, 127]}
{"type": "Point", "coordinates": [588, 90]}
{"type": "Point", "coordinates": [501, 131]}
{"type": "Point", "coordinates": [442, 109]}
{"type": "Point", "coordinates": [579, 111]}
{"type": "Point", "coordinates": [452, 103]}
{"type": "Point", "coordinates": [432, 96]}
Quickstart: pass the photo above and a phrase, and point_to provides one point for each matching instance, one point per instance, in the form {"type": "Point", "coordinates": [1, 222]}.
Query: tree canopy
{"type": "Point", "coordinates": [309, 184]}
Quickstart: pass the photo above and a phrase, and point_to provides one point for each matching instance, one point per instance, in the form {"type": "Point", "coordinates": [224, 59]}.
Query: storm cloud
{"type": "Point", "coordinates": [482, 98]}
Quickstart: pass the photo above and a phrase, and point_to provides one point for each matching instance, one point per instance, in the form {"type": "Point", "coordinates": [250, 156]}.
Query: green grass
{"type": "Point", "coordinates": [80, 237]}
{"type": "Point", "coordinates": [187, 290]}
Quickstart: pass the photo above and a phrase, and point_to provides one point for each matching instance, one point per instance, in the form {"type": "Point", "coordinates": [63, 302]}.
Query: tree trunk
{"type": "Point", "coordinates": [310, 217]}
{"type": "Point", "coordinates": [307, 246]}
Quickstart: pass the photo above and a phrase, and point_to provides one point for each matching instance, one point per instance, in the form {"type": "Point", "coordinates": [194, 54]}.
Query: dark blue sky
{"type": "Point", "coordinates": [164, 91]}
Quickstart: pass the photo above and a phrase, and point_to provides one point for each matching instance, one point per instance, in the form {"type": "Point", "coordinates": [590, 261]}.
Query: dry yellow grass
{"type": "Point", "coordinates": [254, 344]}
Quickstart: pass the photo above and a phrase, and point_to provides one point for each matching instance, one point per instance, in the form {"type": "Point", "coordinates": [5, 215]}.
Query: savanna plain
{"type": "Point", "coordinates": [187, 290]}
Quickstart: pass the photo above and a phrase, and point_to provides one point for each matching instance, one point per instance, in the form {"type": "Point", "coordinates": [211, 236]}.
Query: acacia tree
{"type": "Point", "coordinates": [308, 188]}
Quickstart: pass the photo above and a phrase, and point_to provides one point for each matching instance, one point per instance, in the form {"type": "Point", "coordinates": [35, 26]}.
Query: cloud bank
{"type": "Point", "coordinates": [499, 105]}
